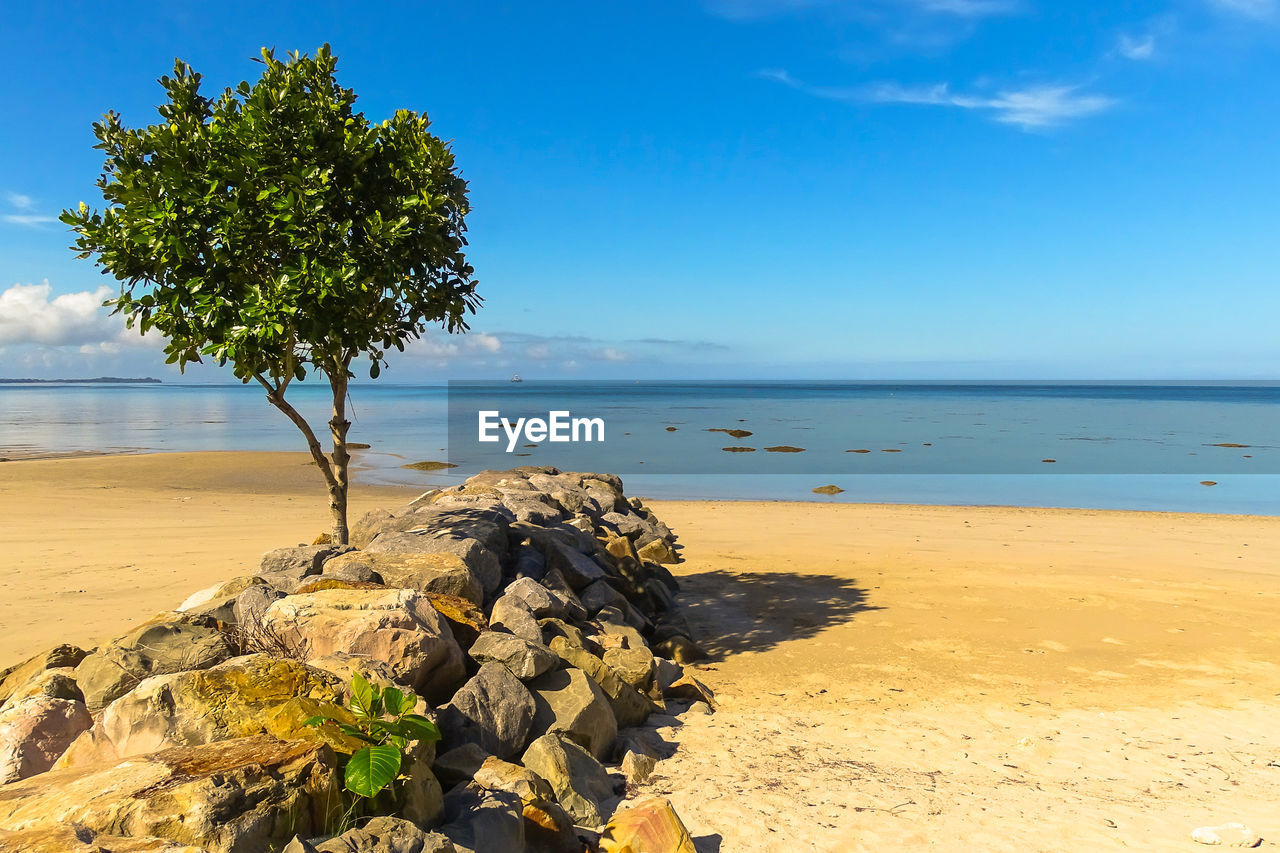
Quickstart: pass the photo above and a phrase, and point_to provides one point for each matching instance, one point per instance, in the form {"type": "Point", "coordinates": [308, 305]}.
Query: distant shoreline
{"type": "Point", "coordinates": [101, 380]}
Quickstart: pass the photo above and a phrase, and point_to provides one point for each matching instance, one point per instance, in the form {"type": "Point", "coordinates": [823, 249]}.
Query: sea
{"type": "Point", "coordinates": [1170, 446]}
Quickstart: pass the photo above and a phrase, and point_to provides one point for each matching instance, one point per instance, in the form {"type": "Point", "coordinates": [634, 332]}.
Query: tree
{"type": "Point", "coordinates": [276, 229]}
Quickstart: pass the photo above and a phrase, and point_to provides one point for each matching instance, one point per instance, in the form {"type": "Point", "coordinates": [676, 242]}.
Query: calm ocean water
{"type": "Point", "coordinates": [1113, 446]}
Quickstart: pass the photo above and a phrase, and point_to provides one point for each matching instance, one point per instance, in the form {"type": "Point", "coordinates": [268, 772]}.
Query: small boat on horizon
{"type": "Point", "coordinates": [515, 377]}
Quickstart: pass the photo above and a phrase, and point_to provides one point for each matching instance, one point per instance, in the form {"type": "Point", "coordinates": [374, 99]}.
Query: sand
{"type": "Point", "coordinates": [90, 546]}
{"type": "Point", "coordinates": [890, 676]}
{"type": "Point", "coordinates": [977, 678]}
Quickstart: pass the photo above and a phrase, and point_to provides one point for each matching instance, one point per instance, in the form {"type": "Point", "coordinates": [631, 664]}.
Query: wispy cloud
{"type": "Point", "coordinates": [1137, 48]}
{"type": "Point", "coordinates": [24, 214]}
{"type": "Point", "coordinates": [1028, 107]}
{"type": "Point", "coordinates": [746, 10]}
{"type": "Point", "coordinates": [1258, 9]}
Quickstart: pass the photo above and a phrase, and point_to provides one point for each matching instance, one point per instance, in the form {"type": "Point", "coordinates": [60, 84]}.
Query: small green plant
{"type": "Point", "coordinates": [385, 724]}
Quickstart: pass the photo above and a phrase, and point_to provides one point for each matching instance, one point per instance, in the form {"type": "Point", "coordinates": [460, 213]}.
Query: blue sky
{"type": "Point", "coordinates": [742, 188]}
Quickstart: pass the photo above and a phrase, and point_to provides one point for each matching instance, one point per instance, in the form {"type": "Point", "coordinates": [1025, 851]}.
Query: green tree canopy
{"type": "Point", "coordinates": [276, 229]}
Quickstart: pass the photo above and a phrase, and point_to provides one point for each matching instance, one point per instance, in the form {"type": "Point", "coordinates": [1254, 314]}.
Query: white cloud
{"type": "Point", "coordinates": [29, 316]}
{"type": "Point", "coordinates": [746, 10]}
{"type": "Point", "coordinates": [1137, 48]}
{"type": "Point", "coordinates": [1028, 107]}
{"type": "Point", "coordinates": [481, 341]}
{"type": "Point", "coordinates": [1260, 9]}
{"type": "Point", "coordinates": [28, 220]}
{"type": "Point", "coordinates": [20, 201]}
{"type": "Point", "coordinates": [613, 354]}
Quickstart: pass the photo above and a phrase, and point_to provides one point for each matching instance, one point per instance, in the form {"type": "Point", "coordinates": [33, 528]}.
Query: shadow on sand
{"type": "Point", "coordinates": [752, 611]}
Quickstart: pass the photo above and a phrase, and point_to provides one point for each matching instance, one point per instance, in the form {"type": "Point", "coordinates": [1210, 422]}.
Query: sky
{"type": "Point", "coordinates": [877, 189]}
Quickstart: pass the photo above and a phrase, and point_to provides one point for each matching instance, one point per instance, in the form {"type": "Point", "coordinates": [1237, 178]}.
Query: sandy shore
{"type": "Point", "coordinates": [949, 678]}
{"type": "Point", "coordinates": [978, 679]}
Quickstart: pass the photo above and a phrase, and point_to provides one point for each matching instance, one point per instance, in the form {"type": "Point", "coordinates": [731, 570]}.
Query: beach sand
{"type": "Point", "coordinates": [889, 676]}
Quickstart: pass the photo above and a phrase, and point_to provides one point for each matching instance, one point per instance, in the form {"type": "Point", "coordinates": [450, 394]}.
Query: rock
{"type": "Point", "coordinates": [512, 615]}
{"type": "Point", "coordinates": [387, 835]}
{"type": "Point", "coordinates": [251, 604]}
{"type": "Point", "coordinates": [648, 825]}
{"type": "Point", "coordinates": [219, 600]}
{"type": "Point", "coordinates": [398, 626]}
{"type": "Point", "coordinates": [665, 674]}
{"type": "Point", "coordinates": [547, 826]}
{"type": "Point", "coordinates": [343, 665]}
{"type": "Point", "coordinates": [483, 821]}
{"type": "Point", "coordinates": [319, 583]}
{"type": "Point", "coordinates": [691, 689]}
{"type": "Point", "coordinates": [339, 568]}
{"type": "Point", "coordinates": [581, 784]}
{"type": "Point", "coordinates": [634, 666]}
{"type": "Point", "coordinates": [35, 732]}
{"type": "Point", "coordinates": [420, 798]}
{"type": "Point", "coordinates": [493, 710]}
{"type": "Point", "coordinates": [459, 764]}
{"type": "Point", "coordinates": [529, 563]}
{"type": "Point", "coordinates": [541, 603]}
{"type": "Point", "coordinates": [659, 551]}
{"type": "Point", "coordinates": [244, 696]}
{"type": "Point", "coordinates": [297, 563]}
{"type": "Point", "coordinates": [553, 581]}
{"type": "Point", "coordinates": [680, 649]}
{"type": "Point", "coordinates": [629, 706]}
{"type": "Point", "coordinates": [552, 628]}
{"type": "Point", "coordinates": [599, 595]}
{"type": "Point", "coordinates": [828, 490]}
{"type": "Point", "coordinates": [482, 562]}
{"type": "Point", "coordinates": [578, 569]}
{"type": "Point", "coordinates": [613, 621]}
{"type": "Point", "coordinates": [628, 525]}
{"type": "Point", "coordinates": [51, 684]}
{"type": "Point", "coordinates": [526, 660]}
{"type": "Point", "coordinates": [699, 708]}
{"type": "Point", "coordinates": [241, 795]}
{"type": "Point", "coordinates": [567, 701]}
{"type": "Point", "coordinates": [82, 840]}
{"type": "Point", "coordinates": [441, 573]}
{"type": "Point", "coordinates": [171, 642]}
{"type": "Point", "coordinates": [466, 620]}
{"type": "Point", "coordinates": [637, 767]}
{"type": "Point", "coordinates": [1227, 835]}
{"type": "Point", "coordinates": [18, 675]}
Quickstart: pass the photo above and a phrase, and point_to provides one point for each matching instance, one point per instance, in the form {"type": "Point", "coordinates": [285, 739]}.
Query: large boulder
{"type": "Point", "coordinates": [492, 710]}
{"type": "Point", "coordinates": [442, 573]}
{"type": "Point", "coordinates": [526, 660]}
{"type": "Point", "coordinates": [219, 600]}
{"type": "Point", "coordinates": [537, 598]}
{"type": "Point", "coordinates": [171, 642]}
{"type": "Point", "coordinates": [235, 796]}
{"type": "Point", "coordinates": [578, 569]}
{"type": "Point", "coordinates": [387, 835]}
{"type": "Point", "coordinates": [293, 564]}
{"type": "Point", "coordinates": [68, 839]}
{"type": "Point", "coordinates": [398, 626]}
{"type": "Point", "coordinates": [244, 696]}
{"type": "Point", "coordinates": [480, 559]}
{"type": "Point", "coordinates": [634, 666]}
{"type": "Point", "coordinates": [547, 826]}
{"type": "Point", "coordinates": [567, 701]}
{"type": "Point", "coordinates": [15, 677]}
{"type": "Point", "coordinates": [581, 784]}
{"type": "Point", "coordinates": [511, 615]}
{"type": "Point", "coordinates": [484, 821]}
{"type": "Point", "coordinates": [465, 618]}
{"type": "Point", "coordinates": [35, 732]}
{"type": "Point", "coordinates": [648, 825]}
{"type": "Point", "coordinates": [629, 707]}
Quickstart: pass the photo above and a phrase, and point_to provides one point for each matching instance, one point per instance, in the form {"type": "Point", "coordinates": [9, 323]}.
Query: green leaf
{"type": "Point", "coordinates": [318, 720]}
{"type": "Point", "coordinates": [394, 700]}
{"type": "Point", "coordinates": [361, 695]}
{"type": "Point", "coordinates": [371, 769]}
{"type": "Point", "coordinates": [420, 728]}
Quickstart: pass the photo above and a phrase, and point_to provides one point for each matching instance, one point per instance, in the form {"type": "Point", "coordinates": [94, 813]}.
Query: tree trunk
{"type": "Point", "coordinates": [338, 427]}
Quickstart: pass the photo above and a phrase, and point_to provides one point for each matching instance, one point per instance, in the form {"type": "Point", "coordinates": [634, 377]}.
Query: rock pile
{"type": "Point", "coordinates": [529, 608]}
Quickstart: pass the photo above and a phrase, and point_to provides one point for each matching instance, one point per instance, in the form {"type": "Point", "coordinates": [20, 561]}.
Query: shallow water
{"type": "Point", "coordinates": [1117, 446]}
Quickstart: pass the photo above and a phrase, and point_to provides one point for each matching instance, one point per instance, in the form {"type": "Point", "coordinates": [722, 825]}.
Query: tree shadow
{"type": "Point", "coordinates": [733, 612]}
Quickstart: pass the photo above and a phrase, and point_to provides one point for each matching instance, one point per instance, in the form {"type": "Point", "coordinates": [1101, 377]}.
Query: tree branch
{"type": "Point", "coordinates": [276, 398]}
